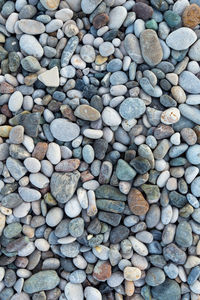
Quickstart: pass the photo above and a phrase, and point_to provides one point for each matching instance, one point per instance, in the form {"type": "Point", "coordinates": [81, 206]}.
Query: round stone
{"type": "Point", "coordinates": [170, 116]}
{"type": "Point", "coordinates": [132, 273]}
{"type": "Point", "coordinates": [132, 108]}
{"type": "Point", "coordinates": [169, 289]}
{"type": "Point", "coordinates": [87, 53]}
{"type": "Point", "coordinates": [191, 16]}
{"type": "Point", "coordinates": [155, 276]}
{"type": "Point", "coordinates": [106, 49]}
{"type": "Point", "coordinates": [32, 164]}
{"type": "Point", "coordinates": [64, 130]}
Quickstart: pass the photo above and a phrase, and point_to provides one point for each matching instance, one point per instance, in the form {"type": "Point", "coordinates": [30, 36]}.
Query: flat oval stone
{"type": "Point", "coordinates": [189, 82]}
{"type": "Point", "coordinates": [116, 17]}
{"type": "Point", "coordinates": [137, 204]}
{"type": "Point", "coordinates": [190, 112]}
{"type": "Point", "coordinates": [63, 130]}
{"type": "Point", "coordinates": [183, 236]}
{"type": "Point", "coordinates": [132, 108]}
{"type": "Point", "coordinates": [181, 38]}
{"type": "Point", "coordinates": [150, 46]}
{"type": "Point", "coordinates": [111, 117]}
{"type": "Point", "coordinates": [87, 113]}
{"type": "Point", "coordinates": [31, 26]}
{"type": "Point", "coordinates": [41, 281]}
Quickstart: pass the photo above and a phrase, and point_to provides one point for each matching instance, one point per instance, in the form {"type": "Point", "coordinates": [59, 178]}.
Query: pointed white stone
{"type": "Point", "coordinates": [50, 77]}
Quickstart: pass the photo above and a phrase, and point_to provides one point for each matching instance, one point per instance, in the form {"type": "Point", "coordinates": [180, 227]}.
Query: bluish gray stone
{"type": "Point", "coordinates": [195, 187]}
{"type": "Point", "coordinates": [155, 276]}
{"type": "Point", "coordinates": [193, 154]}
{"type": "Point", "coordinates": [132, 108]}
{"type": "Point", "coordinates": [149, 89]}
{"type": "Point", "coordinates": [190, 112]}
{"type": "Point", "coordinates": [183, 235]}
{"type": "Point", "coordinates": [118, 77]}
{"type": "Point", "coordinates": [167, 290]}
{"type": "Point", "coordinates": [41, 281]}
{"type": "Point", "coordinates": [69, 50]}
{"type": "Point", "coordinates": [189, 82]}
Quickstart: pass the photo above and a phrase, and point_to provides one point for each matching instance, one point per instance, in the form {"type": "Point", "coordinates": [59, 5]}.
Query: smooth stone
{"type": "Point", "coordinates": [149, 89]}
{"type": "Point", "coordinates": [39, 180]}
{"type": "Point", "coordinates": [15, 101]}
{"type": "Point", "coordinates": [190, 112]}
{"type": "Point", "coordinates": [194, 51]}
{"type": "Point", "coordinates": [132, 47]}
{"type": "Point", "coordinates": [54, 216]}
{"type": "Point", "coordinates": [169, 289]}
{"type": "Point", "coordinates": [31, 27]}
{"type": "Point", "coordinates": [91, 293]}
{"type": "Point", "coordinates": [111, 117]}
{"type": "Point", "coordinates": [155, 276]}
{"type": "Point", "coordinates": [11, 200]}
{"type": "Point", "coordinates": [109, 192]}
{"type": "Point", "coordinates": [30, 64]}
{"type": "Point", "coordinates": [28, 194]}
{"type": "Point", "coordinates": [195, 187]}
{"type": "Point", "coordinates": [43, 280]}
{"type": "Point", "coordinates": [50, 4]}
{"type": "Point", "coordinates": [150, 47]}
{"type": "Point", "coordinates": [184, 234]}
{"type": "Point", "coordinates": [189, 82]}
{"type": "Point", "coordinates": [87, 113]}
{"type": "Point", "coordinates": [117, 16]}
{"type": "Point", "coordinates": [88, 6]}
{"type": "Point", "coordinates": [30, 46]}
{"type": "Point", "coordinates": [138, 246]}
{"type": "Point", "coordinates": [132, 108]}
{"type": "Point", "coordinates": [63, 185]}
{"type": "Point", "coordinates": [69, 50]}
{"type": "Point", "coordinates": [175, 39]}
{"type": "Point", "coordinates": [193, 154]}
{"type": "Point", "coordinates": [16, 168]}
{"type": "Point", "coordinates": [64, 130]}
{"type": "Point", "coordinates": [170, 116]}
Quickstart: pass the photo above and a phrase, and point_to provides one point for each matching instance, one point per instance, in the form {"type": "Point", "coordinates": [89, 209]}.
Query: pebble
{"type": "Point", "coordinates": [116, 17]}
{"type": "Point", "coordinates": [169, 288]}
{"type": "Point", "coordinates": [175, 42]}
{"type": "Point", "coordinates": [15, 101]}
{"type": "Point", "coordinates": [43, 280]}
{"type": "Point", "coordinates": [50, 78]}
{"type": "Point", "coordinates": [132, 108]}
{"type": "Point", "coordinates": [64, 130]}
{"type": "Point", "coordinates": [150, 47]}
{"type": "Point", "coordinates": [155, 277]}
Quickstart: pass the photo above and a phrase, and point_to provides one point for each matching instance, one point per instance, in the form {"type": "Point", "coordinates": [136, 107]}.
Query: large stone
{"type": "Point", "coordinates": [41, 281]}
{"type": "Point", "coordinates": [169, 289]}
{"type": "Point", "coordinates": [150, 47]}
{"type": "Point", "coordinates": [50, 78]}
{"type": "Point", "coordinates": [30, 46]}
{"type": "Point", "coordinates": [63, 185]}
{"type": "Point", "coordinates": [109, 192]}
{"type": "Point", "coordinates": [31, 26]}
{"type": "Point", "coordinates": [64, 130]}
{"type": "Point", "coordinates": [181, 38]}
{"type": "Point", "coordinates": [184, 234]}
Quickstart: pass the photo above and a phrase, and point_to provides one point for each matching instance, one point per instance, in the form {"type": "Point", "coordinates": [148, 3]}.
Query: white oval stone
{"type": "Point", "coordinates": [111, 117]}
{"type": "Point", "coordinates": [54, 216]}
{"type": "Point", "coordinates": [170, 116]}
{"type": "Point", "coordinates": [181, 38]}
{"type": "Point", "coordinates": [15, 101]}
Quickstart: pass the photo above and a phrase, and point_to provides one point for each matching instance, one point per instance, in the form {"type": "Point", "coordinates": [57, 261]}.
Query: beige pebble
{"type": "Point", "coordinates": [5, 211]}
{"type": "Point", "coordinates": [129, 288]}
{"type": "Point", "coordinates": [28, 231]}
{"type": "Point", "coordinates": [170, 116]}
{"type": "Point", "coordinates": [2, 222]}
{"type": "Point", "coordinates": [178, 94]}
{"type": "Point", "coordinates": [132, 273]}
{"type": "Point", "coordinates": [42, 245]}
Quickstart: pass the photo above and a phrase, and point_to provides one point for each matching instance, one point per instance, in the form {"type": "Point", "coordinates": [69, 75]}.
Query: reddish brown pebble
{"type": "Point", "coordinates": [21, 262]}
{"type": "Point", "coordinates": [5, 111]}
{"type": "Point", "coordinates": [40, 150]}
{"type": "Point", "coordinates": [191, 16]}
{"type": "Point", "coordinates": [6, 88]}
{"type": "Point", "coordinates": [102, 270]}
{"type": "Point", "coordinates": [67, 112]}
{"type": "Point", "coordinates": [68, 165]}
{"type": "Point", "coordinates": [86, 176]}
{"type": "Point", "coordinates": [100, 20]}
{"type": "Point", "coordinates": [137, 204]}
{"type": "Point", "coordinates": [143, 11]}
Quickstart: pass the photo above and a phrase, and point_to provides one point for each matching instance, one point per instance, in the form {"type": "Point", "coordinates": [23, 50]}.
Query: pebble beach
{"type": "Point", "coordinates": [100, 150]}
